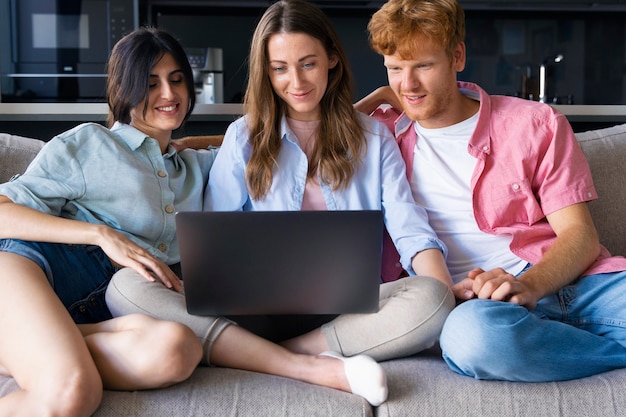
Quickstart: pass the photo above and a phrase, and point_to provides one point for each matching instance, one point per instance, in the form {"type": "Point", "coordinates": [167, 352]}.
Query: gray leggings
{"type": "Point", "coordinates": [411, 315]}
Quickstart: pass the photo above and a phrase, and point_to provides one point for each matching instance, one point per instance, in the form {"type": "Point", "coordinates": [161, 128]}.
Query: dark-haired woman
{"type": "Point", "coordinates": [93, 200]}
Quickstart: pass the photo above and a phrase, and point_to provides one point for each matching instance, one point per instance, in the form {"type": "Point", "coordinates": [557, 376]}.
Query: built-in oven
{"type": "Point", "coordinates": [59, 48]}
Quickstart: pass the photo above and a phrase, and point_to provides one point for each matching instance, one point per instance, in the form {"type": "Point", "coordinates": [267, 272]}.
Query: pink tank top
{"type": "Point", "coordinates": [306, 132]}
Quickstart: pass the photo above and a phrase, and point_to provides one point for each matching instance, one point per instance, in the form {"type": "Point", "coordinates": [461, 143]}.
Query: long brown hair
{"type": "Point", "coordinates": [341, 141]}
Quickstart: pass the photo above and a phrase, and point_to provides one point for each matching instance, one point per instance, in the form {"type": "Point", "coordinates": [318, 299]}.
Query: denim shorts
{"type": "Point", "coordinates": [79, 275]}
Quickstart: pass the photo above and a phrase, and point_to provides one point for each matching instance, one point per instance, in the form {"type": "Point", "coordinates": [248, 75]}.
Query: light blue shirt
{"type": "Point", "coordinates": [119, 178]}
{"type": "Point", "coordinates": [379, 183]}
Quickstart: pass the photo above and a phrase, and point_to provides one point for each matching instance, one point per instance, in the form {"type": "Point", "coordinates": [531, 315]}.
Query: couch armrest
{"type": "Point", "coordinates": [605, 150]}
{"type": "Point", "coordinates": [198, 142]}
{"type": "Point", "coordinates": [16, 153]}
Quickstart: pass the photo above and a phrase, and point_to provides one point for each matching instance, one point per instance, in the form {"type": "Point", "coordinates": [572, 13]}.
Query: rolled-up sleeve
{"type": "Point", "coordinates": [54, 177]}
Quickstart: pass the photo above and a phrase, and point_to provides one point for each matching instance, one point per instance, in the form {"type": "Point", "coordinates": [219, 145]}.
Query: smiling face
{"type": "Point", "coordinates": [426, 83]}
{"type": "Point", "coordinates": [168, 101]}
{"type": "Point", "coordinates": [298, 69]}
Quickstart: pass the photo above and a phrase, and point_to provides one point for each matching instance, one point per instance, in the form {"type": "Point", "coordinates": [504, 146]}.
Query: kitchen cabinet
{"type": "Point", "coordinates": [507, 41]}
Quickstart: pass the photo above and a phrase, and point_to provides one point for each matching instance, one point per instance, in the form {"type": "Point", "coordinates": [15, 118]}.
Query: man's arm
{"type": "Point", "coordinates": [574, 250]}
{"type": "Point", "coordinates": [381, 95]}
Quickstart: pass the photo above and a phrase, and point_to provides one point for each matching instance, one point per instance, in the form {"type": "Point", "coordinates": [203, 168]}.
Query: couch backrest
{"type": "Point", "coordinates": [16, 152]}
{"type": "Point", "coordinates": [605, 150]}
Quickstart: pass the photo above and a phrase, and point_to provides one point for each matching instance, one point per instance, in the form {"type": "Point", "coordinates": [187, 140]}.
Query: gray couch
{"type": "Point", "coordinates": [421, 385]}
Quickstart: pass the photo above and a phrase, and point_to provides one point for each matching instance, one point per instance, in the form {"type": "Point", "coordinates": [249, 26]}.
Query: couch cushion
{"type": "Point", "coordinates": [605, 150]}
{"type": "Point", "coordinates": [423, 385]}
{"type": "Point", "coordinates": [229, 392]}
{"type": "Point", "coordinates": [17, 152]}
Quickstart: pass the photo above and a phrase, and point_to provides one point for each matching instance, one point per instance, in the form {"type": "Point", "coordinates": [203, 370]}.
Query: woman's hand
{"type": "Point", "coordinates": [124, 252]}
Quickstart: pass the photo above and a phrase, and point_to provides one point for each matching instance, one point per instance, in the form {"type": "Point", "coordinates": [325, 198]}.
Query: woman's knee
{"type": "Point", "coordinates": [423, 300]}
{"type": "Point", "coordinates": [418, 308]}
{"type": "Point", "coordinates": [183, 350]}
{"type": "Point", "coordinates": [78, 392]}
{"type": "Point", "coordinates": [170, 353]}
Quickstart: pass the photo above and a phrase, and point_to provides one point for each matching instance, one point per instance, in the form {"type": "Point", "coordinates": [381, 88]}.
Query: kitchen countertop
{"type": "Point", "coordinates": [95, 112]}
{"type": "Point", "coordinates": [593, 113]}
{"type": "Point", "coordinates": [230, 111]}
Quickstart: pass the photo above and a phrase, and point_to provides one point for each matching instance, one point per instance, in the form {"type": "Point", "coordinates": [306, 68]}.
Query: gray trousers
{"type": "Point", "coordinates": [411, 315]}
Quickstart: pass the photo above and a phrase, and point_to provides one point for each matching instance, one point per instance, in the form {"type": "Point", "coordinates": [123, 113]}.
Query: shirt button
{"type": "Point", "coordinates": [485, 148]}
{"type": "Point", "coordinates": [162, 174]}
{"type": "Point", "coordinates": [162, 247]}
{"type": "Point", "coordinates": [516, 187]}
{"type": "Point", "coordinates": [169, 209]}
{"type": "Point", "coordinates": [398, 264]}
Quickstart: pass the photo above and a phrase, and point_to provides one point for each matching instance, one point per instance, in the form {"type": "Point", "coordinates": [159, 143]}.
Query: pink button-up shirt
{"type": "Point", "coordinates": [518, 179]}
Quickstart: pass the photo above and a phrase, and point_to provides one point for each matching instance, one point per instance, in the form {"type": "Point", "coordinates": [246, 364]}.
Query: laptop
{"type": "Point", "coordinates": [280, 262]}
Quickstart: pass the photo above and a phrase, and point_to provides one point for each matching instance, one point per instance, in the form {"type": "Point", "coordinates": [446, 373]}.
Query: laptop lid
{"type": "Point", "coordinates": [280, 262]}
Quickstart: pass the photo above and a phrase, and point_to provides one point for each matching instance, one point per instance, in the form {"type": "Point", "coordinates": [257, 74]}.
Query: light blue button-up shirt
{"type": "Point", "coordinates": [379, 183]}
{"type": "Point", "coordinates": [116, 177]}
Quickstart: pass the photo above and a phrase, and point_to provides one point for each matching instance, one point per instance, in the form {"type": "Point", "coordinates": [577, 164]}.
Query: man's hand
{"type": "Point", "coordinates": [498, 285]}
{"type": "Point", "coordinates": [124, 252]}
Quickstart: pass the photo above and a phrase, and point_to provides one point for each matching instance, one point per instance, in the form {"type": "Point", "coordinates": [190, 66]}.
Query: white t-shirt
{"type": "Point", "coordinates": [440, 182]}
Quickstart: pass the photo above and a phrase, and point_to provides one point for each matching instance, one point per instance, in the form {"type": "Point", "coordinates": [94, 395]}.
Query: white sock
{"type": "Point", "coordinates": [365, 377]}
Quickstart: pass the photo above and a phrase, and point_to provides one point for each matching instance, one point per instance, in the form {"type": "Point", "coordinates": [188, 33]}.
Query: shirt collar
{"type": "Point", "coordinates": [481, 140]}
{"type": "Point", "coordinates": [134, 138]}
{"type": "Point", "coordinates": [402, 123]}
{"type": "Point", "coordinates": [286, 132]}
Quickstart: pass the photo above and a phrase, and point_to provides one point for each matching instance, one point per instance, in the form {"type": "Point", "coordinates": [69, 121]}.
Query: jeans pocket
{"type": "Point", "coordinates": [91, 309]}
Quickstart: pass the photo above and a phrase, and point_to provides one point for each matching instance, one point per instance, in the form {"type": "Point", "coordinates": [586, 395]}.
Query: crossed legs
{"type": "Point", "coordinates": [224, 344]}
{"type": "Point", "coordinates": [304, 358]}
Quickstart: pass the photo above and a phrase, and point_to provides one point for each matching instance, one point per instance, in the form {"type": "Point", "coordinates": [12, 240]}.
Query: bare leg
{"type": "Point", "coordinates": [147, 353]}
{"type": "Point", "coordinates": [237, 348]}
{"type": "Point", "coordinates": [311, 343]}
{"type": "Point", "coordinates": [240, 349]}
{"type": "Point", "coordinates": [42, 348]}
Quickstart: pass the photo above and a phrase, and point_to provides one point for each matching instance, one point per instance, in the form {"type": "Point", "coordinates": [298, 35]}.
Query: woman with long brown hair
{"type": "Point", "coordinates": [302, 146]}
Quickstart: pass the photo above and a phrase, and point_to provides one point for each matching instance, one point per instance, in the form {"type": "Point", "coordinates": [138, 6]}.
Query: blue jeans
{"type": "Point", "coordinates": [79, 275]}
{"type": "Point", "coordinates": [577, 332]}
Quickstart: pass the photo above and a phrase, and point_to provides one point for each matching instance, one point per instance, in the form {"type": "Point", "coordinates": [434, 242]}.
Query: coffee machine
{"type": "Point", "coordinates": [208, 74]}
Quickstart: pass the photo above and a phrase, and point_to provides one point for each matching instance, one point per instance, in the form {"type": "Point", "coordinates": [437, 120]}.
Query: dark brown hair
{"type": "Point", "coordinates": [129, 67]}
